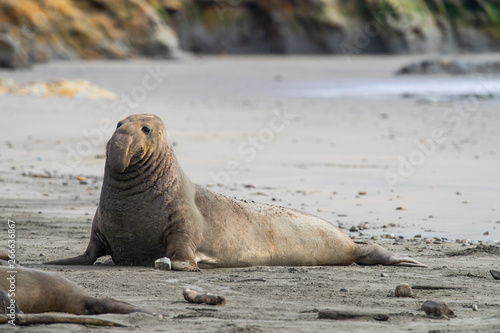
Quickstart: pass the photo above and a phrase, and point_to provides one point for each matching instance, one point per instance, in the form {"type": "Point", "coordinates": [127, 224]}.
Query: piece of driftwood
{"type": "Point", "coordinates": [59, 318]}
{"type": "Point", "coordinates": [345, 314]}
{"type": "Point", "coordinates": [425, 287]}
{"type": "Point", "coordinates": [206, 298]}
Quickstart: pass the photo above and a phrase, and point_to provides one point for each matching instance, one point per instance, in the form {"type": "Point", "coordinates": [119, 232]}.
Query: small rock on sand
{"type": "Point", "coordinates": [436, 308]}
{"type": "Point", "coordinates": [495, 274]}
{"type": "Point", "coordinates": [403, 290]}
{"type": "Point", "coordinates": [163, 264]}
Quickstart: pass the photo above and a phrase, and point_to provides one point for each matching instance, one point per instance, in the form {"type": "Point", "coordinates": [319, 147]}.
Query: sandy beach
{"type": "Point", "coordinates": [408, 162]}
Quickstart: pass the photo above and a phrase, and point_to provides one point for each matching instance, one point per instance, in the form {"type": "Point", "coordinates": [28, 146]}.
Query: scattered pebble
{"type": "Point", "coordinates": [384, 275]}
{"type": "Point", "coordinates": [82, 180]}
{"type": "Point", "coordinates": [436, 308]}
{"type": "Point", "coordinates": [474, 307]}
{"type": "Point", "coordinates": [399, 208]}
{"type": "Point", "coordinates": [403, 290]}
{"type": "Point", "coordinates": [389, 236]}
{"type": "Point", "coordinates": [344, 290]}
{"type": "Point", "coordinates": [354, 229]}
{"type": "Point", "coordinates": [163, 264]}
{"type": "Point", "coordinates": [363, 226]}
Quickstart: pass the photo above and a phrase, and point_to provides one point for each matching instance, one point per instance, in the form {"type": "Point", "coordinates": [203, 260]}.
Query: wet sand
{"type": "Point", "coordinates": [330, 156]}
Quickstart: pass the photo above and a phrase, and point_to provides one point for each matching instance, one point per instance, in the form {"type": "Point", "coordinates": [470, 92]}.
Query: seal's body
{"type": "Point", "coordinates": [37, 291]}
{"type": "Point", "coordinates": [150, 209]}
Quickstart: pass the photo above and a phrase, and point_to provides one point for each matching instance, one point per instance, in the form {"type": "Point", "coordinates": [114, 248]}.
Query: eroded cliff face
{"type": "Point", "coordinates": [39, 30]}
{"type": "Point", "coordinates": [336, 26]}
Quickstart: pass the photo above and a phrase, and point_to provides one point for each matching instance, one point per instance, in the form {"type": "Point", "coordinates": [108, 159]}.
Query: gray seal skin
{"type": "Point", "coordinates": [149, 209]}
{"type": "Point", "coordinates": [37, 291]}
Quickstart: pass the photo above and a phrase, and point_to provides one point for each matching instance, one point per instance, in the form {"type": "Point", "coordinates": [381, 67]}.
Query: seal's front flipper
{"type": "Point", "coordinates": [95, 249]}
{"type": "Point", "coordinates": [373, 254]}
{"type": "Point", "coordinates": [182, 256]}
{"type": "Point", "coordinates": [78, 260]}
{"type": "Point", "coordinates": [188, 266]}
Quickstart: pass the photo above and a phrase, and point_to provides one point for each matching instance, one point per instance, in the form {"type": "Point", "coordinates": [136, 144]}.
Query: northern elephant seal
{"type": "Point", "coordinates": [150, 209]}
{"type": "Point", "coordinates": [36, 291]}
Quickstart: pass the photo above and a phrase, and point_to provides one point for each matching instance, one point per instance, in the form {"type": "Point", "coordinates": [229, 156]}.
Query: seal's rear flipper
{"type": "Point", "coordinates": [373, 254]}
{"type": "Point", "coordinates": [110, 305]}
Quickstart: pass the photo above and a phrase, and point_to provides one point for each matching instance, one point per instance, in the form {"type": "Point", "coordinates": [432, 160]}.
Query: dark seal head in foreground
{"type": "Point", "coordinates": [149, 209]}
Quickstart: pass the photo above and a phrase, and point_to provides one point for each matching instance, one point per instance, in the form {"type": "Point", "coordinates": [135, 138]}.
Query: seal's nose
{"type": "Point", "coordinates": [118, 154]}
{"type": "Point", "coordinates": [123, 145]}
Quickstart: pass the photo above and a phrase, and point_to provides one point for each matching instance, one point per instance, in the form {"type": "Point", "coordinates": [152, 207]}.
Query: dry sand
{"type": "Point", "coordinates": [329, 159]}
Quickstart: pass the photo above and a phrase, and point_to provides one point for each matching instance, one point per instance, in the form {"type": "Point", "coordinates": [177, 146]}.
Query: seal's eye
{"type": "Point", "coordinates": [118, 125]}
{"type": "Point", "coordinates": [146, 130]}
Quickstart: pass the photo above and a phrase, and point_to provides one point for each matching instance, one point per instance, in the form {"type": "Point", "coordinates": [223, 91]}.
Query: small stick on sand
{"type": "Point", "coordinates": [344, 314]}
{"type": "Point", "coordinates": [251, 279]}
{"type": "Point", "coordinates": [60, 318]}
{"type": "Point", "coordinates": [195, 297]}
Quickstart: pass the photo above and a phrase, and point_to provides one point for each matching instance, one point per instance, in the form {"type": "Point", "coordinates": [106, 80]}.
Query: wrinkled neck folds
{"type": "Point", "coordinates": [157, 172]}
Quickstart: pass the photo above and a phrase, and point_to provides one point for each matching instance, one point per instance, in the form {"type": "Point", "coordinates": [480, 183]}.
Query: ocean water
{"type": "Point", "coordinates": [440, 87]}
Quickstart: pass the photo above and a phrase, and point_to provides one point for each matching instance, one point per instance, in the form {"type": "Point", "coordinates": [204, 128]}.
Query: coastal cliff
{"type": "Point", "coordinates": [40, 30]}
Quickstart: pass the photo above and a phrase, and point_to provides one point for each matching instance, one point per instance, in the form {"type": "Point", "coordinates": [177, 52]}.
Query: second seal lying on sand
{"type": "Point", "coordinates": [37, 291]}
{"type": "Point", "coordinates": [149, 209]}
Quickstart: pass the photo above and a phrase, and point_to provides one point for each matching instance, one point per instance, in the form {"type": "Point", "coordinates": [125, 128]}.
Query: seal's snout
{"type": "Point", "coordinates": [118, 152]}
{"type": "Point", "coordinates": [122, 147]}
